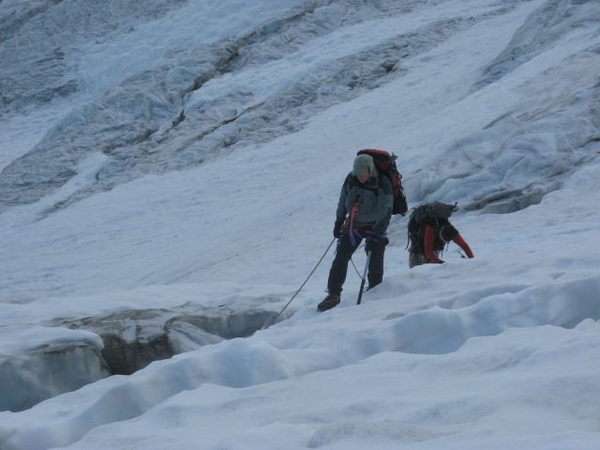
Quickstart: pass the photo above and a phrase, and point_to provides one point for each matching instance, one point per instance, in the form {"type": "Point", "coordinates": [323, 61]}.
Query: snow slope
{"type": "Point", "coordinates": [192, 153]}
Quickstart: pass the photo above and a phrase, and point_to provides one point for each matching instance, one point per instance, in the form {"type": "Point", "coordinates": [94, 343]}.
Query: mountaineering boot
{"type": "Point", "coordinates": [331, 301]}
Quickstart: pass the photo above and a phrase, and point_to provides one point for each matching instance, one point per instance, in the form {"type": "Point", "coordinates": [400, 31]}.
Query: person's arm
{"type": "Point", "coordinates": [341, 211]}
{"type": "Point", "coordinates": [428, 239]}
{"type": "Point", "coordinates": [458, 239]}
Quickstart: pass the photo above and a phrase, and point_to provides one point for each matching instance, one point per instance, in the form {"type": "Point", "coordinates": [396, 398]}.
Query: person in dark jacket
{"type": "Point", "coordinates": [364, 212]}
{"type": "Point", "coordinates": [430, 241]}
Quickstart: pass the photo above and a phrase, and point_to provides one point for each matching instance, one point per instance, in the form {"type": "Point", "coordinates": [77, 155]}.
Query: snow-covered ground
{"type": "Point", "coordinates": [190, 155]}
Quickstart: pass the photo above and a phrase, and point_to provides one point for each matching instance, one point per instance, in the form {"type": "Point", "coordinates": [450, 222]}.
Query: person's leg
{"type": "Point", "coordinates": [375, 276]}
{"type": "Point", "coordinates": [339, 267]}
{"type": "Point", "coordinates": [415, 259]}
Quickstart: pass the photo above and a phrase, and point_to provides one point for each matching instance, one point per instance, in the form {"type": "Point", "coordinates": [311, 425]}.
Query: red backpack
{"type": "Point", "coordinates": [386, 164]}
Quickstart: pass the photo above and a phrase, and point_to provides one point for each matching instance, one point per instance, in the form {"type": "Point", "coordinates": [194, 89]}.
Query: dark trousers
{"type": "Point", "coordinates": [339, 267]}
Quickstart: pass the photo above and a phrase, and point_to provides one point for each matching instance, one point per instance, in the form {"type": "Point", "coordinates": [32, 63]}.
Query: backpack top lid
{"type": "Point", "coordinates": [435, 210]}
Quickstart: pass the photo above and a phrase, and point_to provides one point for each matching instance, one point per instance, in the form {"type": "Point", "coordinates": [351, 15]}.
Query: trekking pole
{"type": "Point", "coordinates": [270, 322]}
{"type": "Point", "coordinates": [354, 265]}
{"type": "Point", "coordinates": [364, 278]}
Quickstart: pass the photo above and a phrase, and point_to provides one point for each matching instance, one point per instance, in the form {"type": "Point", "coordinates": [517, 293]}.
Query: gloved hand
{"type": "Point", "coordinates": [337, 228]}
{"type": "Point", "coordinates": [373, 243]}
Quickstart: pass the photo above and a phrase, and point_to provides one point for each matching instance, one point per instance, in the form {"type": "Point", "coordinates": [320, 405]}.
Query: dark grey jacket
{"type": "Point", "coordinates": [375, 199]}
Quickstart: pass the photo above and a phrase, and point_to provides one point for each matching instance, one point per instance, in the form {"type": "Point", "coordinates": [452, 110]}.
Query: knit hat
{"type": "Point", "coordinates": [448, 232]}
{"type": "Point", "coordinates": [362, 163]}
